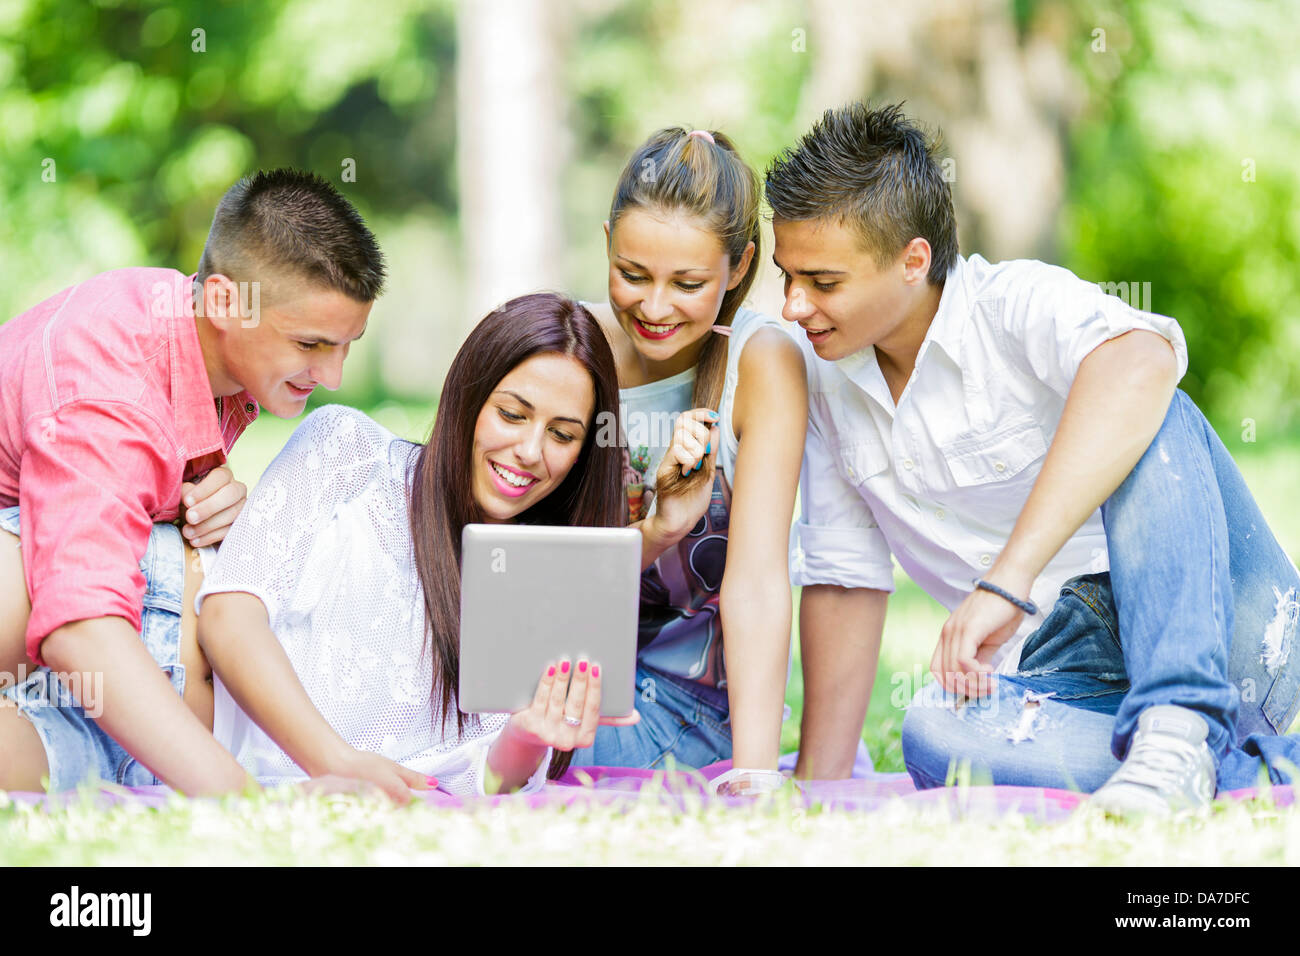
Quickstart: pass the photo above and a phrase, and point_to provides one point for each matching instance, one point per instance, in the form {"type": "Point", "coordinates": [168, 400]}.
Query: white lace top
{"type": "Point", "coordinates": [324, 541]}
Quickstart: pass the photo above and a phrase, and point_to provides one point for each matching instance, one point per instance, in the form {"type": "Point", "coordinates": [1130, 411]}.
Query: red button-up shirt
{"type": "Point", "coordinates": [105, 409]}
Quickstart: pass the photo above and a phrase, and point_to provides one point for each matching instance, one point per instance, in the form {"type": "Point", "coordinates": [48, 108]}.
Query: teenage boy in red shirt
{"type": "Point", "coordinates": [119, 401]}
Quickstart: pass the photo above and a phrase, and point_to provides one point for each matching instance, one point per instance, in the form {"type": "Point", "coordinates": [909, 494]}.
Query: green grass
{"type": "Point", "coordinates": [352, 830]}
{"type": "Point", "coordinates": [273, 829]}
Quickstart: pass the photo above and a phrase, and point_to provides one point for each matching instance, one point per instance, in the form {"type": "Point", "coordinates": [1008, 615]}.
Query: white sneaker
{"type": "Point", "coordinates": [1168, 767]}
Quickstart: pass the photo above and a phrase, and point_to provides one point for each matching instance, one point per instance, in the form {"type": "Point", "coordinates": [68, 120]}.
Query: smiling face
{"type": "Point", "coordinates": [296, 341]}
{"type": "Point", "coordinates": [530, 433]}
{"type": "Point", "coordinates": [838, 294]}
{"type": "Point", "coordinates": [667, 278]}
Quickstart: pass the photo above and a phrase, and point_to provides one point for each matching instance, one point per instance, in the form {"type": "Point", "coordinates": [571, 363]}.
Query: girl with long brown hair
{"type": "Point", "coordinates": [331, 616]}
{"type": "Point", "coordinates": [683, 244]}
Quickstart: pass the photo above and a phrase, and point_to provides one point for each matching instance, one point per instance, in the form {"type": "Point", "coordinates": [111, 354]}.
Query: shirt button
{"type": "Point", "coordinates": [985, 560]}
{"type": "Point", "coordinates": [250, 408]}
{"type": "Point", "coordinates": [851, 474]}
{"type": "Point", "coordinates": [999, 466]}
{"type": "Point", "coordinates": [939, 513]}
{"type": "Point", "coordinates": [907, 463]}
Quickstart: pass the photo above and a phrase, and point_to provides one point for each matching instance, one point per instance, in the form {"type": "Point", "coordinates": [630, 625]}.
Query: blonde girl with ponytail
{"type": "Point", "coordinates": [701, 374]}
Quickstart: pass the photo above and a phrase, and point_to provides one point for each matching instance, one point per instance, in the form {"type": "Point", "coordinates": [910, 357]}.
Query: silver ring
{"type": "Point", "coordinates": [572, 721]}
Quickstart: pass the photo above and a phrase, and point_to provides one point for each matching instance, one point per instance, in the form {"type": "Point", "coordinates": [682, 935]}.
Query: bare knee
{"type": "Point", "coordinates": [22, 754]}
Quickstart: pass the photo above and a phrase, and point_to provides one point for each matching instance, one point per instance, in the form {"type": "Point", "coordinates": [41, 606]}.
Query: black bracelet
{"type": "Point", "coordinates": [1029, 607]}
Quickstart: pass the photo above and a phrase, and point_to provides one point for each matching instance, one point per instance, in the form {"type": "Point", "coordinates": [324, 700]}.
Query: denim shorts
{"type": "Point", "coordinates": [76, 749]}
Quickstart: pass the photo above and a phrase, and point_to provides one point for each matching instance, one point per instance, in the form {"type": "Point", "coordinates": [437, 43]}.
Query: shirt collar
{"type": "Point", "coordinates": [945, 331]}
{"type": "Point", "coordinates": [862, 369]}
{"type": "Point", "coordinates": [953, 315]}
{"type": "Point", "coordinates": [197, 427]}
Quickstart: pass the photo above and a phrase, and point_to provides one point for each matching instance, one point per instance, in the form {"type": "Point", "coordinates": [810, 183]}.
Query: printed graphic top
{"type": "Point", "coordinates": [680, 631]}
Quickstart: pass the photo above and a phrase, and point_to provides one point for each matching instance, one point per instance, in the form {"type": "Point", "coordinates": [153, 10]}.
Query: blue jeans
{"type": "Point", "coordinates": [76, 749]}
{"type": "Point", "coordinates": [1199, 609]}
{"type": "Point", "coordinates": [681, 718]}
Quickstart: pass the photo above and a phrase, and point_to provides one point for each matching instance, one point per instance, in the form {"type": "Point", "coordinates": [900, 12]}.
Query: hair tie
{"type": "Point", "coordinates": [703, 134]}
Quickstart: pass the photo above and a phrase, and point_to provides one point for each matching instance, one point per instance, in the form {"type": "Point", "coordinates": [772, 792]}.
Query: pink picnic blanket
{"type": "Point", "coordinates": [620, 786]}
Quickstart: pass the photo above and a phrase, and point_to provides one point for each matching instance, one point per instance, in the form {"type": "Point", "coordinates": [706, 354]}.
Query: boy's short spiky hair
{"type": "Point", "coordinates": [295, 223]}
{"type": "Point", "coordinates": [875, 172]}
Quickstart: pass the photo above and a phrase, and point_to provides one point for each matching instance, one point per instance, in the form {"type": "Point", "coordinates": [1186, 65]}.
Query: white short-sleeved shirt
{"type": "Point", "coordinates": [939, 480]}
{"type": "Point", "coordinates": [324, 542]}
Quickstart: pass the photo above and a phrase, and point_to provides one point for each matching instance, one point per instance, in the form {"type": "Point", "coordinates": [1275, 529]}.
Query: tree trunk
{"type": "Point", "coordinates": [509, 151]}
{"type": "Point", "coordinates": [1001, 100]}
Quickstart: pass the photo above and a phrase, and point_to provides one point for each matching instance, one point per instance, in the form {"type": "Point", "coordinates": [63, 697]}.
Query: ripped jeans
{"type": "Point", "coordinates": [1199, 609]}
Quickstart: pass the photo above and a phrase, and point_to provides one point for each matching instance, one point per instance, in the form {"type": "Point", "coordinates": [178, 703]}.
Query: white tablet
{"type": "Point", "coordinates": [531, 594]}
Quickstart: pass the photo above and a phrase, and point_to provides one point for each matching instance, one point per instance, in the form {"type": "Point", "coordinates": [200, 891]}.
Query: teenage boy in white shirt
{"type": "Point", "coordinates": [1122, 618]}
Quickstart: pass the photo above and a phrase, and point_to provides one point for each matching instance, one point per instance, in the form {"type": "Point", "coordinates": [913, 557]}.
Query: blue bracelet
{"type": "Point", "coordinates": [1029, 607]}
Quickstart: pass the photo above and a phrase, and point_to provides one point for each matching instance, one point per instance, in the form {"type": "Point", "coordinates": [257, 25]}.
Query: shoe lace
{"type": "Point", "coordinates": [1158, 764]}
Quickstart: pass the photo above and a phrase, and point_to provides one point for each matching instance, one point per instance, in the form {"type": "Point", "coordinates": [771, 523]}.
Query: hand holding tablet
{"type": "Point", "coordinates": [565, 711]}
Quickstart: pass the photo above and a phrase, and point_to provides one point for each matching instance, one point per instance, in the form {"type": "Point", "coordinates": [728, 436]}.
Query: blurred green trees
{"type": "Point", "coordinates": [122, 123]}
{"type": "Point", "coordinates": [1185, 170]}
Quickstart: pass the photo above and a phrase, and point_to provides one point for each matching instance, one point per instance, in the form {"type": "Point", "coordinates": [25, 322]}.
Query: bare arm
{"type": "Point", "coordinates": [511, 760]}
{"type": "Point", "coordinates": [236, 636]}
{"type": "Point", "coordinates": [839, 635]}
{"type": "Point", "coordinates": [771, 417]}
{"type": "Point", "coordinates": [1115, 406]}
{"type": "Point", "coordinates": [140, 708]}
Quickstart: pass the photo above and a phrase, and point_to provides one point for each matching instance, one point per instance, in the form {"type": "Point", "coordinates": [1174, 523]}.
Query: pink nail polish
{"type": "Point", "coordinates": [431, 781]}
{"type": "Point", "coordinates": [564, 668]}
{"type": "Point", "coordinates": [582, 667]}
{"type": "Point", "coordinates": [550, 671]}
{"type": "Point", "coordinates": [595, 670]}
